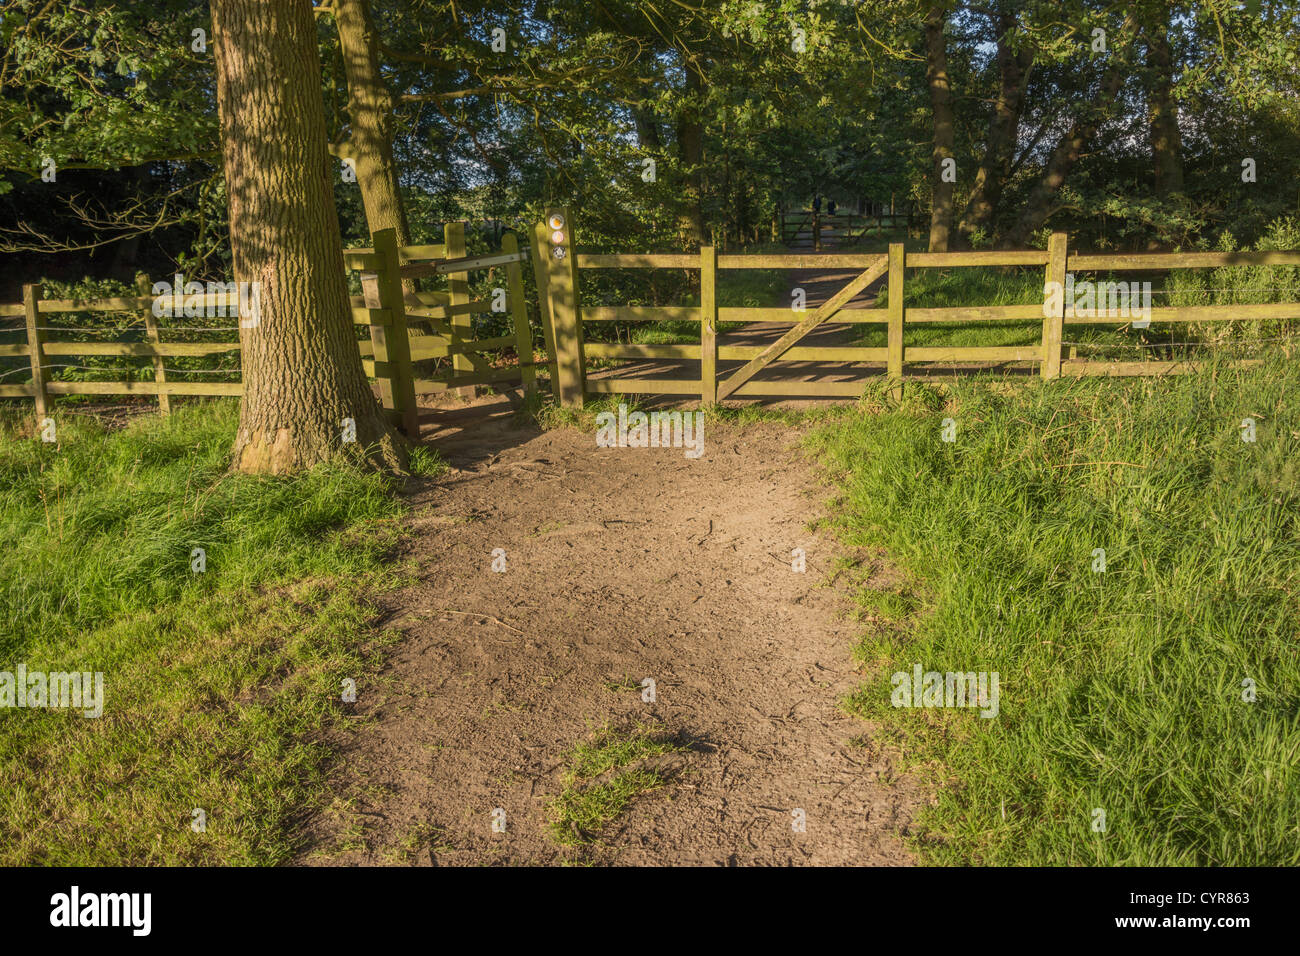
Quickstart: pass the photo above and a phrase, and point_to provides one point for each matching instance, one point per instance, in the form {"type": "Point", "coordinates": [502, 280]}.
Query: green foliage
{"type": "Point", "coordinates": [788, 100]}
{"type": "Point", "coordinates": [1233, 285]}
{"type": "Point", "coordinates": [101, 83]}
{"type": "Point", "coordinates": [1237, 285]}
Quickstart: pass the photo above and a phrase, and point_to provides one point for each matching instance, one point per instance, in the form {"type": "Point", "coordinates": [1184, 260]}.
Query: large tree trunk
{"type": "Point", "coordinates": [690, 151]}
{"type": "Point", "coordinates": [1004, 128]}
{"type": "Point", "coordinates": [301, 367]}
{"type": "Point", "coordinates": [1162, 110]}
{"type": "Point", "coordinates": [936, 76]}
{"type": "Point", "coordinates": [370, 117]}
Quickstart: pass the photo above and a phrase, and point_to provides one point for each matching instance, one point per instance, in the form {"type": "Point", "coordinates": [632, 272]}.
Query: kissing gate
{"type": "Point", "coordinates": [390, 308]}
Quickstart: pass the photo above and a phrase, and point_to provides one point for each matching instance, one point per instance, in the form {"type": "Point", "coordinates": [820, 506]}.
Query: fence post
{"type": "Point", "coordinates": [142, 287]}
{"type": "Point", "coordinates": [1053, 324]}
{"type": "Point", "coordinates": [817, 230]}
{"type": "Point", "coordinates": [383, 290]}
{"type": "Point", "coordinates": [519, 311]}
{"type": "Point", "coordinates": [462, 326]}
{"type": "Point", "coordinates": [897, 263]}
{"type": "Point", "coordinates": [35, 340]}
{"type": "Point", "coordinates": [541, 274]}
{"type": "Point", "coordinates": [708, 325]}
{"type": "Point", "coordinates": [556, 249]}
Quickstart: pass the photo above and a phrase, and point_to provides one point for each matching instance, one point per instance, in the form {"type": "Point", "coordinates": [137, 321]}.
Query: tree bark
{"type": "Point", "coordinates": [1162, 109]}
{"type": "Point", "coordinates": [936, 75]}
{"type": "Point", "coordinates": [690, 151]}
{"type": "Point", "coordinates": [370, 117]}
{"type": "Point", "coordinates": [647, 128]}
{"type": "Point", "coordinates": [1004, 127]}
{"type": "Point", "coordinates": [1038, 207]}
{"type": "Point", "coordinates": [301, 367]}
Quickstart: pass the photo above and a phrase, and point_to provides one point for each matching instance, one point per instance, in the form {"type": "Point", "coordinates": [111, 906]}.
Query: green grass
{"type": "Point", "coordinates": [547, 414]}
{"type": "Point", "coordinates": [752, 288]}
{"type": "Point", "coordinates": [1120, 690]}
{"type": "Point", "coordinates": [605, 775]}
{"type": "Point", "coordinates": [218, 685]}
{"type": "Point", "coordinates": [942, 288]}
{"type": "Point", "coordinates": [417, 839]}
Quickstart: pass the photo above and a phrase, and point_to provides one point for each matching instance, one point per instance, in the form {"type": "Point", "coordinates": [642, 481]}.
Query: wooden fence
{"type": "Point", "coordinates": [559, 270]}
{"type": "Point", "coordinates": [408, 327]}
{"type": "Point", "coordinates": [395, 349]}
{"type": "Point", "coordinates": [390, 355]}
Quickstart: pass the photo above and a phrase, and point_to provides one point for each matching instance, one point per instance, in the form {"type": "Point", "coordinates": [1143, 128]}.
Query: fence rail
{"type": "Point", "coordinates": [408, 326]}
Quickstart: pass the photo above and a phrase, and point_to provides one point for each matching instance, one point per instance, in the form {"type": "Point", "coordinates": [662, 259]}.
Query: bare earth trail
{"type": "Point", "coordinates": [621, 564]}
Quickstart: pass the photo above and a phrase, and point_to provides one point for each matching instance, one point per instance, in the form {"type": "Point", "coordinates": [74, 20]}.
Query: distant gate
{"type": "Point", "coordinates": [816, 229]}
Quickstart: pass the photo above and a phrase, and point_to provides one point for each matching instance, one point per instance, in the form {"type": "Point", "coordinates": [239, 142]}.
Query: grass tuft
{"type": "Point", "coordinates": [605, 774]}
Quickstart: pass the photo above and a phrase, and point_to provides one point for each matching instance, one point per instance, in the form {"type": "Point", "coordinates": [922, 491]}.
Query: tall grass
{"type": "Point", "coordinates": [218, 685]}
{"type": "Point", "coordinates": [959, 287]}
{"type": "Point", "coordinates": [1121, 691]}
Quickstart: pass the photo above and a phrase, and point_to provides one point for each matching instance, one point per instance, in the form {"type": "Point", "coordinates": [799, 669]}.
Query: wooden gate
{"type": "Point", "coordinates": [559, 269]}
{"type": "Point", "coordinates": [783, 345]}
{"type": "Point", "coordinates": [816, 229]}
{"type": "Point", "coordinates": [398, 343]}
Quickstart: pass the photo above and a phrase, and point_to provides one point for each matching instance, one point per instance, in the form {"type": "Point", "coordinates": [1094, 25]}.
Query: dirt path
{"type": "Point", "coordinates": [621, 564]}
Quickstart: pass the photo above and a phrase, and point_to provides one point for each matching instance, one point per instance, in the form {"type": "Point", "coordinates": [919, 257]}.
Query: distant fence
{"type": "Point", "coordinates": [559, 270]}
{"type": "Point", "coordinates": [389, 356]}
{"type": "Point", "coordinates": [815, 228]}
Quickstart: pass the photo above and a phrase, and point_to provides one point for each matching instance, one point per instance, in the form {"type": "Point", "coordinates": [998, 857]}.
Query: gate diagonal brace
{"type": "Point", "coordinates": [785, 342]}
